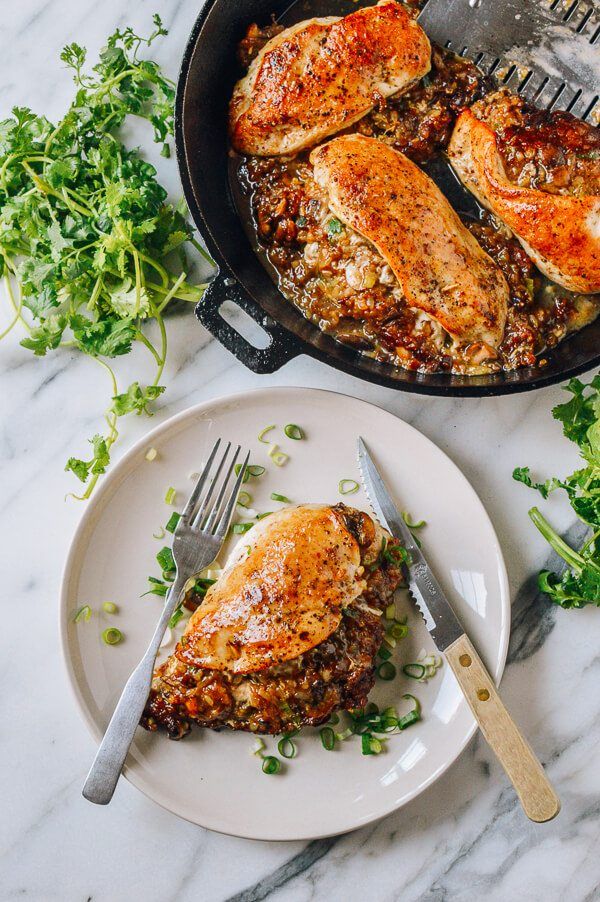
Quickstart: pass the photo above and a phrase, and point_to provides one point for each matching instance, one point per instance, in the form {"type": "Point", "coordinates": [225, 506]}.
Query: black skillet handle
{"type": "Point", "coordinates": [282, 347]}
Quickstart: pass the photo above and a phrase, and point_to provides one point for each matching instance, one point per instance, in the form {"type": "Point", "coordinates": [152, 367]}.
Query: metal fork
{"type": "Point", "coordinates": [197, 541]}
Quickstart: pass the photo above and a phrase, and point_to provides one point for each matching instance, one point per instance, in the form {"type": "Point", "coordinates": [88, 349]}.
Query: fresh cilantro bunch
{"type": "Point", "coordinates": [579, 584]}
{"type": "Point", "coordinates": [90, 250]}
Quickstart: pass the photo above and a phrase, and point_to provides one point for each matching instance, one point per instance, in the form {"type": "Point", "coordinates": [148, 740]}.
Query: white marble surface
{"type": "Point", "coordinates": [465, 838]}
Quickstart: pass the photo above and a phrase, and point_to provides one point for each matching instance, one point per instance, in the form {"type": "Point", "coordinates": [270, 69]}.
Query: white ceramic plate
{"type": "Point", "coordinates": [211, 778]}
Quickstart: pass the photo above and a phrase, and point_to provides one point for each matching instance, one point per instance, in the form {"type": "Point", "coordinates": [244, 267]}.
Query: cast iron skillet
{"type": "Point", "coordinates": [208, 73]}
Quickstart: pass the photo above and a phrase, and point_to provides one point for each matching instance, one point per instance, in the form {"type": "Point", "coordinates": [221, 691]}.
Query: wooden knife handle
{"type": "Point", "coordinates": [523, 769]}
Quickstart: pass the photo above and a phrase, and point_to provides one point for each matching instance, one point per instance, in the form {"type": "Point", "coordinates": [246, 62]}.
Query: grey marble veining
{"type": "Point", "coordinates": [463, 839]}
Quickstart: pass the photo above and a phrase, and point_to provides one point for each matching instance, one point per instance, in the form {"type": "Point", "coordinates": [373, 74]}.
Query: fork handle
{"type": "Point", "coordinates": [110, 757]}
{"type": "Point", "coordinates": [514, 753]}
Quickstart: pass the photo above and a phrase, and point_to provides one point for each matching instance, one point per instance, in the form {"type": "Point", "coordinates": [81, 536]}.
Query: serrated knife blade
{"type": "Point", "coordinates": [516, 756]}
{"type": "Point", "coordinates": [440, 619]}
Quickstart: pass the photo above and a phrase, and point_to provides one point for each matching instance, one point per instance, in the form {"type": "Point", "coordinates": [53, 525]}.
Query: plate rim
{"type": "Point", "coordinates": [94, 505]}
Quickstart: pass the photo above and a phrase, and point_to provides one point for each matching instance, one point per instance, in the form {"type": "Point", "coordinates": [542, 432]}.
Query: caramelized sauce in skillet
{"type": "Point", "coordinates": [341, 283]}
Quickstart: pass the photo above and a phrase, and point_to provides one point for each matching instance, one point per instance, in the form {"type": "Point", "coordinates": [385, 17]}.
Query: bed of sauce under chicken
{"type": "Point", "coordinates": [342, 284]}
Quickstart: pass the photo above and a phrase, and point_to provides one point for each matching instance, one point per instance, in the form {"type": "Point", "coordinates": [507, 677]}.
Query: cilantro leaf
{"type": "Point", "coordinates": [136, 399]}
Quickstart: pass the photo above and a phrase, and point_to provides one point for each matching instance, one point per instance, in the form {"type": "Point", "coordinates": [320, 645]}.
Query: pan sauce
{"type": "Point", "coordinates": [340, 282]}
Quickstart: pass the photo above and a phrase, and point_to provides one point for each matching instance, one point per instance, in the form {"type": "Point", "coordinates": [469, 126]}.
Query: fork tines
{"type": "Point", "coordinates": [212, 517]}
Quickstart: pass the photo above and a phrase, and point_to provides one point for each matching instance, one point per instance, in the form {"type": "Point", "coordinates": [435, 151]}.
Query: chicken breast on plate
{"type": "Point", "coordinates": [441, 268]}
{"type": "Point", "coordinates": [289, 632]}
{"type": "Point", "coordinates": [322, 75]}
{"type": "Point", "coordinates": [539, 173]}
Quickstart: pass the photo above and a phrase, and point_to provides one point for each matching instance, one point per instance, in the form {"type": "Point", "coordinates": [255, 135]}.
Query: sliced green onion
{"type": "Point", "coordinates": [160, 534]}
{"type": "Point", "coordinates": [334, 227]}
{"type": "Point", "coordinates": [170, 495]}
{"type": "Point", "coordinates": [333, 720]}
{"type": "Point", "coordinates": [384, 653]}
{"type": "Point", "coordinates": [176, 617]}
{"type": "Point", "coordinates": [278, 457]}
{"type": "Point", "coordinates": [165, 560]}
{"type": "Point", "coordinates": [345, 734]}
{"type": "Point", "coordinates": [388, 724]}
{"type": "Point", "coordinates": [263, 432]}
{"type": "Point", "coordinates": [376, 746]}
{"type": "Point", "coordinates": [294, 432]}
{"type": "Point", "coordinates": [258, 746]}
{"type": "Point", "coordinates": [408, 720]}
{"type": "Point", "coordinates": [244, 499]}
{"type": "Point", "coordinates": [407, 520]}
{"type": "Point", "coordinates": [386, 671]}
{"type": "Point", "coordinates": [327, 738]}
{"type": "Point", "coordinates": [390, 612]}
{"type": "Point", "coordinates": [173, 521]}
{"type": "Point", "coordinates": [286, 748]}
{"type": "Point", "coordinates": [348, 486]}
{"type": "Point", "coordinates": [110, 607]}
{"type": "Point", "coordinates": [112, 636]}
{"type": "Point", "coordinates": [151, 454]}
{"type": "Point", "coordinates": [83, 614]}
{"type": "Point", "coordinates": [271, 765]}
{"type": "Point", "coordinates": [240, 528]}
{"type": "Point", "coordinates": [398, 630]}
{"type": "Point", "coordinates": [251, 470]}
{"type": "Point", "coordinates": [262, 516]}
{"type": "Point", "coordinates": [282, 498]}
{"type": "Point", "coordinates": [415, 670]}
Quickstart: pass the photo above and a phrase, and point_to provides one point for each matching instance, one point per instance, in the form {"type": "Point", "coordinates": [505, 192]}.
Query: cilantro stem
{"type": "Point", "coordinates": [17, 307]}
{"type": "Point", "coordinates": [202, 251]}
{"type": "Point", "coordinates": [171, 293]}
{"type": "Point", "coordinates": [572, 558]}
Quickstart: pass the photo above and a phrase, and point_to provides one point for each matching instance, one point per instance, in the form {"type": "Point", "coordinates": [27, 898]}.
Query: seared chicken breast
{"type": "Point", "coordinates": [441, 268]}
{"type": "Point", "coordinates": [322, 75]}
{"type": "Point", "coordinates": [289, 632]}
{"type": "Point", "coordinates": [539, 173]}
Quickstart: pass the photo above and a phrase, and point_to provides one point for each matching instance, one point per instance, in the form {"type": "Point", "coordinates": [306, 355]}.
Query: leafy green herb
{"type": "Point", "coordinates": [579, 584]}
{"type": "Point", "coordinates": [90, 250]}
{"type": "Point", "coordinates": [334, 227]}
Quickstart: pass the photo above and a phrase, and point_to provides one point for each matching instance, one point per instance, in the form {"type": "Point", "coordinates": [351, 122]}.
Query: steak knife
{"type": "Point", "coordinates": [521, 765]}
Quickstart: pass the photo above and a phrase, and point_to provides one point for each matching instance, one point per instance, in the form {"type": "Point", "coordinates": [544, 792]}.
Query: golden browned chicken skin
{"type": "Point", "coordinates": [290, 631]}
{"type": "Point", "coordinates": [322, 75]}
{"type": "Point", "coordinates": [498, 149]}
{"type": "Point", "coordinates": [440, 267]}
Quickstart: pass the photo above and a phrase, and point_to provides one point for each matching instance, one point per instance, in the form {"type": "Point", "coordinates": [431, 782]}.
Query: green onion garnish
{"type": "Point", "coordinates": [241, 528]}
{"type": "Point", "coordinates": [173, 521]}
{"type": "Point", "coordinates": [160, 534]}
{"type": "Point", "coordinates": [282, 498]}
{"type": "Point", "coordinates": [110, 607]}
{"type": "Point", "coordinates": [386, 671]}
{"type": "Point", "coordinates": [170, 495]}
{"type": "Point", "coordinates": [410, 524]}
{"type": "Point", "coordinates": [83, 614]}
{"type": "Point", "coordinates": [348, 486]}
{"type": "Point", "coordinates": [408, 720]}
{"type": "Point", "coordinates": [398, 630]}
{"type": "Point", "coordinates": [334, 227]}
{"type": "Point", "coordinates": [244, 499]}
{"type": "Point", "coordinates": [415, 671]}
{"type": "Point", "coordinates": [287, 748]}
{"type": "Point", "coordinates": [327, 738]}
{"type": "Point", "coordinates": [151, 454]}
{"type": "Point", "coordinates": [278, 457]}
{"type": "Point", "coordinates": [176, 617]}
{"type": "Point", "coordinates": [295, 432]}
{"type": "Point", "coordinates": [384, 653]}
{"type": "Point", "coordinates": [263, 432]}
{"type": "Point", "coordinates": [262, 516]}
{"type": "Point", "coordinates": [390, 612]}
{"type": "Point", "coordinates": [165, 560]}
{"type": "Point", "coordinates": [251, 470]}
{"type": "Point", "coordinates": [271, 765]}
{"type": "Point", "coordinates": [112, 636]}
{"type": "Point", "coordinates": [345, 734]}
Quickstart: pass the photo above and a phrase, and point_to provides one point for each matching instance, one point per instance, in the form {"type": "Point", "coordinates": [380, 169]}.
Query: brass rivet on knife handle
{"type": "Point", "coordinates": [523, 769]}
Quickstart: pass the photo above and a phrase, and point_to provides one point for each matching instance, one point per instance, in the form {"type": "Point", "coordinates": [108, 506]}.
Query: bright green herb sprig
{"type": "Point", "coordinates": [90, 251]}
{"type": "Point", "coordinates": [579, 584]}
